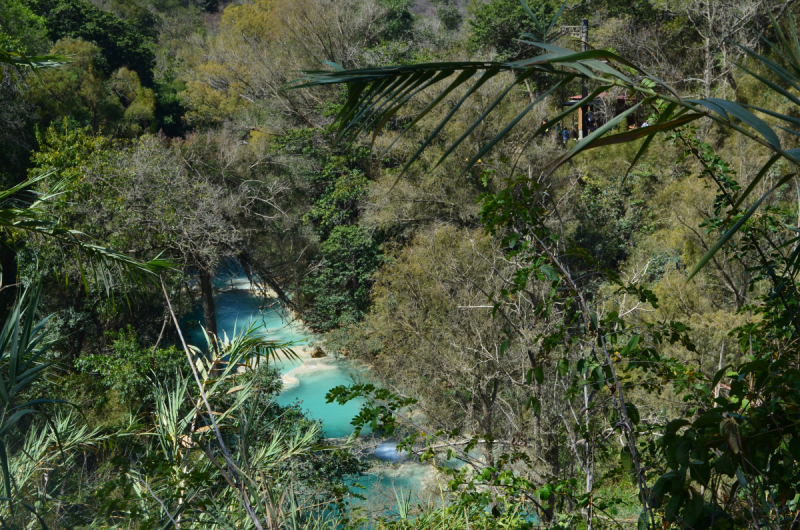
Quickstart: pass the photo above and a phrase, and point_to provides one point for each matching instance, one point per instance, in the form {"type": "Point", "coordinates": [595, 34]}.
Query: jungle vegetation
{"type": "Point", "coordinates": [577, 332]}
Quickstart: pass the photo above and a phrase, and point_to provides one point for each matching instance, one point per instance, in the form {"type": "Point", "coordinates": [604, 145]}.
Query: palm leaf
{"type": "Point", "coordinates": [19, 63]}
{"type": "Point", "coordinates": [365, 86]}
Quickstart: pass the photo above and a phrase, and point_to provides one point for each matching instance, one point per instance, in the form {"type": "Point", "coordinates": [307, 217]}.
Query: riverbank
{"type": "Point", "coordinates": [307, 378]}
{"type": "Point", "coordinates": [305, 363]}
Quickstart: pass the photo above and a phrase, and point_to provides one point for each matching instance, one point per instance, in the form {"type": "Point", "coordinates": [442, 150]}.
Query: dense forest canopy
{"type": "Point", "coordinates": [560, 242]}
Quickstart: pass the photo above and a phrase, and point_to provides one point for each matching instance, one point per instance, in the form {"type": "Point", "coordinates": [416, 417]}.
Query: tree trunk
{"type": "Point", "coordinates": [207, 291]}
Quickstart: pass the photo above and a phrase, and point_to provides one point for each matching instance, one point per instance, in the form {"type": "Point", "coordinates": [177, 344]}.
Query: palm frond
{"type": "Point", "coordinates": [18, 63]}
{"type": "Point", "coordinates": [21, 348]}
{"type": "Point", "coordinates": [373, 98]}
{"type": "Point", "coordinates": [22, 209]}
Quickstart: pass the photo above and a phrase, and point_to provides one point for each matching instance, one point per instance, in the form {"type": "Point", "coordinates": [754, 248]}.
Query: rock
{"type": "Point", "coordinates": [318, 352]}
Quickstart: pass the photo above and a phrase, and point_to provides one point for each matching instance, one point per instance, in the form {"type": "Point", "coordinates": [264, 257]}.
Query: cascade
{"type": "Point", "coordinates": [308, 380]}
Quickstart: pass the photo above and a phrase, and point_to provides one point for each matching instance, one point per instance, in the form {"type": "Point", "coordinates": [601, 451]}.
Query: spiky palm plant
{"type": "Point", "coordinates": [225, 466]}
{"type": "Point", "coordinates": [18, 64]}
{"type": "Point", "coordinates": [375, 95]}
{"type": "Point", "coordinates": [22, 350]}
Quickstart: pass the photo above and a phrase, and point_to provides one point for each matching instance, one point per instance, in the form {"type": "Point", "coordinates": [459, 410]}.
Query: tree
{"type": "Point", "coordinates": [21, 31]}
{"type": "Point", "coordinates": [519, 214]}
{"type": "Point", "coordinates": [198, 201]}
{"type": "Point", "coordinates": [717, 24]}
{"type": "Point", "coordinates": [498, 25]}
{"type": "Point", "coordinates": [339, 289]}
{"type": "Point", "coordinates": [78, 91]}
{"type": "Point", "coordinates": [371, 100]}
{"type": "Point", "coordinates": [249, 60]}
{"type": "Point", "coordinates": [119, 42]}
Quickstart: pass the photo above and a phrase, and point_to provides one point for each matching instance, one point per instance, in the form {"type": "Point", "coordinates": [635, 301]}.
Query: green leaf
{"type": "Point", "coordinates": [538, 373]}
{"type": "Point", "coordinates": [718, 376]}
{"type": "Point", "coordinates": [626, 458]}
{"type": "Point", "coordinates": [533, 403]}
{"type": "Point", "coordinates": [563, 367]}
{"type": "Point", "coordinates": [777, 88]}
{"type": "Point", "coordinates": [709, 419]}
{"type": "Point", "coordinates": [794, 447]}
{"type": "Point", "coordinates": [649, 138]}
{"type": "Point", "coordinates": [763, 171]}
{"type": "Point", "coordinates": [633, 413]}
{"type": "Point", "coordinates": [458, 81]}
{"type": "Point", "coordinates": [750, 119]}
{"type": "Point", "coordinates": [549, 272]}
{"type": "Point", "coordinates": [35, 514]}
{"type": "Point", "coordinates": [741, 477]}
{"type": "Point", "coordinates": [674, 425]}
{"type": "Point", "coordinates": [780, 71]}
{"type": "Point", "coordinates": [701, 472]}
{"type": "Point", "coordinates": [481, 118]}
{"type": "Point", "coordinates": [633, 342]}
{"type": "Point", "coordinates": [674, 506]}
{"type": "Point", "coordinates": [693, 510]}
{"type": "Point", "coordinates": [544, 493]}
{"type": "Point", "coordinates": [643, 523]}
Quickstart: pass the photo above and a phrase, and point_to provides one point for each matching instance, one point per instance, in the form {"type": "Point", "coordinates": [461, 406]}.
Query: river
{"type": "Point", "coordinates": [307, 381]}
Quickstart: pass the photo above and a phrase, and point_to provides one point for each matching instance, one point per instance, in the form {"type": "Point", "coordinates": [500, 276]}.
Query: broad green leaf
{"type": "Point", "coordinates": [718, 376]}
{"type": "Point", "coordinates": [549, 272]}
{"type": "Point", "coordinates": [626, 458]}
{"type": "Point", "coordinates": [534, 404]}
{"type": "Point", "coordinates": [750, 119]}
{"type": "Point", "coordinates": [633, 413]}
{"type": "Point", "coordinates": [563, 367]}
{"type": "Point", "coordinates": [693, 510]}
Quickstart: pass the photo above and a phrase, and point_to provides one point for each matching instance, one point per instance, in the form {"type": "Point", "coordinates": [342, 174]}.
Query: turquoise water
{"type": "Point", "coordinates": [311, 395]}
{"type": "Point", "coordinates": [237, 308]}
